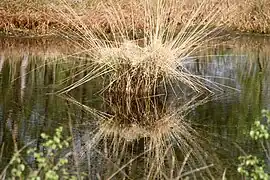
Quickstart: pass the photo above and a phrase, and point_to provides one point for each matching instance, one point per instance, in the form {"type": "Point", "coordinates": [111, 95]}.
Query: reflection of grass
{"type": "Point", "coordinates": [168, 147]}
{"type": "Point", "coordinates": [136, 65]}
{"type": "Point", "coordinates": [163, 143]}
{"type": "Point", "coordinates": [160, 143]}
{"type": "Point", "coordinates": [53, 163]}
{"type": "Point", "coordinates": [48, 48]}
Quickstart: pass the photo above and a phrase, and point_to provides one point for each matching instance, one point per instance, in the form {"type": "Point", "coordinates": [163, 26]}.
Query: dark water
{"type": "Point", "coordinates": [29, 78]}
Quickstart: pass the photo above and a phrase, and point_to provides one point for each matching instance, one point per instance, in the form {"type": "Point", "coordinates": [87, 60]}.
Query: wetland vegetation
{"type": "Point", "coordinates": [139, 87]}
{"type": "Point", "coordinates": [41, 18]}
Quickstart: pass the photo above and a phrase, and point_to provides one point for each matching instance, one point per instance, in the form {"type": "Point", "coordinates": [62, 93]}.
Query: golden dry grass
{"type": "Point", "coordinates": [20, 17]}
{"type": "Point", "coordinates": [137, 64]}
{"type": "Point", "coordinates": [137, 61]}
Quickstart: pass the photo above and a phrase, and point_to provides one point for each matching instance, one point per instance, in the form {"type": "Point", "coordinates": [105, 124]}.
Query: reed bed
{"type": "Point", "coordinates": [37, 18]}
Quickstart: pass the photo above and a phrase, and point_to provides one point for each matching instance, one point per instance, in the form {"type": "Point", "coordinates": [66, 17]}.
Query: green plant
{"type": "Point", "coordinates": [251, 166]}
{"type": "Point", "coordinates": [261, 131]}
{"type": "Point", "coordinates": [49, 165]}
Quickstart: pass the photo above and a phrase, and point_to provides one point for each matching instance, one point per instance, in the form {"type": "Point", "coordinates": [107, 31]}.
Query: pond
{"type": "Point", "coordinates": [32, 71]}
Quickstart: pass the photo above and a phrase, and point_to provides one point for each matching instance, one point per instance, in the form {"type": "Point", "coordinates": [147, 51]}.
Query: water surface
{"type": "Point", "coordinates": [29, 78]}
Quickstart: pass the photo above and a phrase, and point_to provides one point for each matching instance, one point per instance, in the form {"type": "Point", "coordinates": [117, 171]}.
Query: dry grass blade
{"type": "Point", "coordinates": [195, 170]}
{"type": "Point", "coordinates": [142, 63]}
{"type": "Point", "coordinates": [127, 164]}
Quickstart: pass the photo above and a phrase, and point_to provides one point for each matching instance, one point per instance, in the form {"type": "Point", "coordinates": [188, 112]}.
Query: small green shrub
{"type": "Point", "coordinates": [261, 131]}
{"type": "Point", "coordinates": [49, 166]}
{"type": "Point", "coordinates": [251, 166]}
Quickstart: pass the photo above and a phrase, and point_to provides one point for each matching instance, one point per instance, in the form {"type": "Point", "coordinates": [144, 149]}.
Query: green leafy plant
{"type": "Point", "coordinates": [49, 165]}
{"type": "Point", "coordinates": [251, 166]}
{"type": "Point", "coordinates": [261, 131]}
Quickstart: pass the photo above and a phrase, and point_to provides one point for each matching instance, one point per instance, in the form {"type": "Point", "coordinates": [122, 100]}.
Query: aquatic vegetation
{"type": "Point", "coordinates": [139, 67]}
{"type": "Point", "coordinates": [36, 17]}
{"type": "Point", "coordinates": [140, 60]}
{"type": "Point", "coordinates": [49, 165]}
{"type": "Point", "coordinates": [251, 166]}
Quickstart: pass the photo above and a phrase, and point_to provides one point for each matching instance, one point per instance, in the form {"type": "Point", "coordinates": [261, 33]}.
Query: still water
{"type": "Point", "coordinates": [30, 78]}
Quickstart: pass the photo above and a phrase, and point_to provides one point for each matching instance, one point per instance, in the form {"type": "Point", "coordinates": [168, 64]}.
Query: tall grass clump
{"type": "Point", "coordinates": [142, 59]}
{"type": "Point", "coordinates": [140, 54]}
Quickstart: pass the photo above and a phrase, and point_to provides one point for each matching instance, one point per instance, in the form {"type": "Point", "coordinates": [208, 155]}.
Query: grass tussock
{"type": "Point", "coordinates": [139, 66]}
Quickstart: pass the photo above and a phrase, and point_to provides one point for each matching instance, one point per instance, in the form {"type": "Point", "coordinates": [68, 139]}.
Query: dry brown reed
{"type": "Point", "coordinates": [35, 17]}
{"type": "Point", "coordinates": [23, 17]}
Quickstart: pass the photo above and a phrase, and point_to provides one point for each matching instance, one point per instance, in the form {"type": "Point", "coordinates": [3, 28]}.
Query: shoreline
{"type": "Point", "coordinates": [44, 19]}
